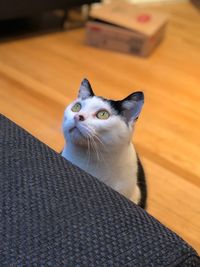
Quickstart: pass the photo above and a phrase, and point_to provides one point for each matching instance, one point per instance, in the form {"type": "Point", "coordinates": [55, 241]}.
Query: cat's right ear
{"type": "Point", "coordinates": [85, 90]}
{"type": "Point", "coordinates": [132, 106]}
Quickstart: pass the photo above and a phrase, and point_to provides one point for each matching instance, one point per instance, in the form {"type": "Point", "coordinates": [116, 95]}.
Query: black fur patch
{"type": "Point", "coordinates": [116, 105]}
{"type": "Point", "coordinates": [142, 184]}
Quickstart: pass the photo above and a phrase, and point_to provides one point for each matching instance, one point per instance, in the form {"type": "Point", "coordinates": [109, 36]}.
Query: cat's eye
{"type": "Point", "coordinates": [76, 107]}
{"type": "Point", "coordinates": [103, 115]}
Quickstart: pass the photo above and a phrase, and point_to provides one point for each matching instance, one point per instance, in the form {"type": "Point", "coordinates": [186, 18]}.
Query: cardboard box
{"type": "Point", "coordinates": [126, 28]}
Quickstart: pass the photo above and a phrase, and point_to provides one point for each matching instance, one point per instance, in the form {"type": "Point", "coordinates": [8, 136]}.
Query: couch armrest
{"type": "Point", "coordinates": [54, 214]}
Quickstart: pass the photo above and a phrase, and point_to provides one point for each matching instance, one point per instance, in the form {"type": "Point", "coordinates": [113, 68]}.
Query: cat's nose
{"type": "Point", "coordinates": [78, 117]}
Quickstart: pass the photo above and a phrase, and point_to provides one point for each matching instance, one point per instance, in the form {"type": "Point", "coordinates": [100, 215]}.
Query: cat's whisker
{"type": "Point", "coordinates": [90, 136]}
{"type": "Point", "coordinates": [100, 153]}
{"type": "Point", "coordinates": [93, 138]}
{"type": "Point", "coordinates": [95, 147]}
{"type": "Point", "coordinates": [91, 131]}
{"type": "Point", "coordinates": [88, 151]}
{"type": "Point", "coordinates": [87, 135]}
{"type": "Point", "coordinates": [99, 140]}
{"type": "Point", "coordinates": [96, 138]}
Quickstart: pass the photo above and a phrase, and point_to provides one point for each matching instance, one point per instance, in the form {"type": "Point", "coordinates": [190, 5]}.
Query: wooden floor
{"type": "Point", "coordinates": [40, 76]}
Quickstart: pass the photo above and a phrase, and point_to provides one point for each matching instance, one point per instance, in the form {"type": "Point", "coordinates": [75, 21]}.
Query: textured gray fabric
{"type": "Point", "coordinates": [54, 214]}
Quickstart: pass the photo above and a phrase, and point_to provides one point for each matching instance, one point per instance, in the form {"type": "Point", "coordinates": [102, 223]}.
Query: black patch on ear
{"type": "Point", "coordinates": [117, 106]}
{"type": "Point", "coordinates": [137, 97]}
{"type": "Point", "coordinates": [136, 118]}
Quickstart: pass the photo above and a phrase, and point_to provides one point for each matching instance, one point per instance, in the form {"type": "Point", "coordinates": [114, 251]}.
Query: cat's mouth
{"type": "Point", "coordinates": [72, 129]}
{"type": "Point", "coordinates": [77, 136]}
{"type": "Point", "coordinates": [76, 131]}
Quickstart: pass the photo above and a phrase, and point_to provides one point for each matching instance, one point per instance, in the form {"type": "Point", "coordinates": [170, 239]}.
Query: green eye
{"type": "Point", "coordinates": [103, 115]}
{"type": "Point", "coordinates": [76, 107]}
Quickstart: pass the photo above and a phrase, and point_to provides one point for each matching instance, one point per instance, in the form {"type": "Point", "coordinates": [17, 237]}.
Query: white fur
{"type": "Point", "coordinates": [102, 148]}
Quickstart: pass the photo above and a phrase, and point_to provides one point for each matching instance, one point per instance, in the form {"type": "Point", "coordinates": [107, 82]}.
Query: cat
{"type": "Point", "coordinates": [98, 135]}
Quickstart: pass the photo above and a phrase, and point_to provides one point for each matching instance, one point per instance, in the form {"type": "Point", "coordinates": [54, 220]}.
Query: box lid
{"type": "Point", "coordinates": [129, 16]}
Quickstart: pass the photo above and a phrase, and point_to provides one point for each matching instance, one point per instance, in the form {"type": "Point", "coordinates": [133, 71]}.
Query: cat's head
{"type": "Point", "coordinates": [96, 121]}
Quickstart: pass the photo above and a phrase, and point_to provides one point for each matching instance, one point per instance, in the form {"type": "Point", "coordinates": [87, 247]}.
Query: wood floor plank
{"type": "Point", "coordinates": [183, 215]}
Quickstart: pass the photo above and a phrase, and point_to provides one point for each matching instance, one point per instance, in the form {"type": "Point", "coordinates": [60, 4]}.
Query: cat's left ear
{"type": "Point", "coordinates": [132, 106]}
{"type": "Point", "coordinates": [85, 90]}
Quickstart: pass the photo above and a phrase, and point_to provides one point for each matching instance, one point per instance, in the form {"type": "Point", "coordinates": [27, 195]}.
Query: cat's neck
{"type": "Point", "coordinates": [83, 155]}
{"type": "Point", "coordinates": [119, 163]}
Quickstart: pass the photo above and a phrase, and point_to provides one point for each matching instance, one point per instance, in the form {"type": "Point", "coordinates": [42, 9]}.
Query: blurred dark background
{"type": "Point", "coordinates": [19, 18]}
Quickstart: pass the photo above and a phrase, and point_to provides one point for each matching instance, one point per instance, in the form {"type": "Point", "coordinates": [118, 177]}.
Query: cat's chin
{"type": "Point", "coordinates": [79, 141]}
{"type": "Point", "coordinates": [77, 137]}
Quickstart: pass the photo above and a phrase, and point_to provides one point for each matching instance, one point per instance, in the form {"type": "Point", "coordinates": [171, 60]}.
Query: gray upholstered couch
{"type": "Point", "coordinates": [54, 214]}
